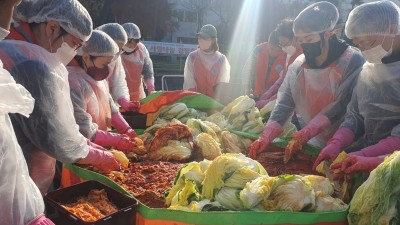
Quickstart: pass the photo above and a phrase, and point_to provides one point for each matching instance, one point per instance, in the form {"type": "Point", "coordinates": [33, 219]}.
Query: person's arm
{"type": "Point", "coordinates": [351, 129]}
{"type": "Point", "coordinates": [51, 126]}
{"type": "Point", "coordinates": [225, 73]}
{"type": "Point", "coordinates": [84, 120]}
{"type": "Point", "coordinates": [285, 104]}
{"type": "Point", "coordinates": [249, 71]}
{"type": "Point", "coordinates": [189, 83]}
{"type": "Point", "coordinates": [119, 88]}
{"type": "Point", "coordinates": [148, 72]}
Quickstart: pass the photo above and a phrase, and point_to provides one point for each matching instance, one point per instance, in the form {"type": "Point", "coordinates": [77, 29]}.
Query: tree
{"type": "Point", "coordinates": [199, 7]}
{"type": "Point", "coordinates": [227, 11]}
{"type": "Point", "coordinates": [154, 17]}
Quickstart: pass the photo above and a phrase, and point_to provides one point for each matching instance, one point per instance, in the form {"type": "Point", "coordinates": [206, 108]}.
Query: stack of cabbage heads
{"type": "Point", "coordinates": [377, 200]}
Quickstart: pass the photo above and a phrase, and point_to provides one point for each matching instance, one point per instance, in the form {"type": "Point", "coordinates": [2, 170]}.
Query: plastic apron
{"type": "Point", "coordinates": [21, 200]}
{"type": "Point", "coordinates": [206, 79]}
{"type": "Point", "coordinates": [376, 113]}
{"type": "Point", "coordinates": [133, 65]}
{"type": "Point", "coordinates": [41, 165]}
{"type": "Point", "coordinates": [96, 95]}
{"type": "Point", "coordinates": [317, 91]}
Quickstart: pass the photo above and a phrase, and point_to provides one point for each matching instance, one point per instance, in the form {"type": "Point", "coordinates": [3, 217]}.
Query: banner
{"type": "Point", "coordinates": [164, 48]}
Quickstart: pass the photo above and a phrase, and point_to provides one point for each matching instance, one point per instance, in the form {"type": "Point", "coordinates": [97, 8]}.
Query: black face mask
{"type": "Point", "coordinates": [312, 50]}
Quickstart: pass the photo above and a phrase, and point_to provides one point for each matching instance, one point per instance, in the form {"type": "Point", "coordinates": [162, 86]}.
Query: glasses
{"type": "Point", "coordinates": [131, 41]}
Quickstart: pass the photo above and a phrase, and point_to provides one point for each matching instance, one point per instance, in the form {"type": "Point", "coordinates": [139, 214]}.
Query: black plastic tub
{"type": "Point", "coordinates": [135, 120]}
{"type": "Point", "coordinates": [60, 216]}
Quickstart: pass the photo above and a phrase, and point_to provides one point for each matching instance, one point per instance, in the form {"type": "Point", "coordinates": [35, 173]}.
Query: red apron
{"type": "Point", "coordinates": [263, 80]}
{"type": "Point", "coordinates": [206, 79]}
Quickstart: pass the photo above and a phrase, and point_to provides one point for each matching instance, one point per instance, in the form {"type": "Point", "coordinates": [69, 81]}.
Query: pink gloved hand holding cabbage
{"type": "Point", "coordinates": [313, 128]}
{"type": "Point", "coordinates": [342, 138]}
{"type": "Point", "coordinates": [271, 131]}
{"type": "Point", "coordinates": [100, 158]}
{"type": "Point", "coordinates": [122, 126]}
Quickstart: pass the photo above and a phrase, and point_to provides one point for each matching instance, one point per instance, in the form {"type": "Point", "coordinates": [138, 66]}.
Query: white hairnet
{"type": "Point", "coordinates": [372, 18]}
{"type": "Point", "coordinates": [100, 44]}
{"type": "Point", "coordinates": [70, 14]}
{"type": "Point", "coordinates": [316, 18]}
{"type": "Point", "coordinates": [115, 31]}
{"type": "Point", "coordinates": [132, 30]}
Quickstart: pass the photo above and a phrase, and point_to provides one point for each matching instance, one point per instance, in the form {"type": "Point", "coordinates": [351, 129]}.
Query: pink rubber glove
{"type": "Point", "coordinates": [103, 160]}
{"type": "Point", "coordinates": [273, 90]}
{"type": "Point", "coordinates": [354, 164]}
{"type": "Point", "coordinates": [130, 106]}
{"type": "Point", "coordinates": [383, 147]}
{"type": "Point", "coordinates": [342, 138]}
{"type": "Point", "coordinates": [120, 141]}
{"type": "Point", "coordinates": [41, 220]}
{"type": "Point", "coordinates": [119, 123]}
{"type": "Point", "coordinates": [261, 103]}
{"type": "Point", "coordinates": [149, 86]}
{"type": "Point", "coordinates": [312, 129]}
{"type": "Point", "coordinates": [271, 131]}
{"type": "Point", "coordinates": [131, 133]}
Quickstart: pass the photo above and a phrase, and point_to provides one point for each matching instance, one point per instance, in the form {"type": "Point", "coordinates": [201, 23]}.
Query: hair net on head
{"type": "Point", "coordinates": [100, 44]}
{"type": "Point", "coordinates": [116, 32]}
{"type": "Point", "coordinates": [285, 29]}
{"type": "Point", "coordinates": [372, 18]}
{"type": "Point", "coordinates": [273, 38]}
{"type": "Point", "coordinates": [316, 18]}
{"type": "Point", "coordinates": [70, 14]}
{"type": "Point", "coordinates": [132, 30]}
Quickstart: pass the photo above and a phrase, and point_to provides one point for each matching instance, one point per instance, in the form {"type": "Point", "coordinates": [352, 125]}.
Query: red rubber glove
{"type": "Point", "coordinates": [119, 123]}
{"type": "Point", "coordinates": [130, 106]}
{"type": "Point", "coordinates": [120, 141]}
{"type": "Point", "coordinates": [355, 164]}
{"type": "Point", "coordinates": [273, 90]}
{"type": "Point", "coordinates": [271, 131]}
{"type": "Point", "coordinates": [131, 133]}
{"type": "Point", "coordinates": [149, 86]}
{"type": "Point", "coordinates": [342, 138]}
{"type": "Point", "coordinates": [103, 160]}
{"type": "Point", "coordinates": [41, 220]}
{"type": "Point", "coordinates": [312, 129]}
{"type": "Point", "coordinates": [261, 103]}
{"type": "Point", "coordinates": [383, 147]}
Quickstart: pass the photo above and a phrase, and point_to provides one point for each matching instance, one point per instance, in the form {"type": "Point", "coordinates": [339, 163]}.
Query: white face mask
{"type": "Point", "coordinates": [377, 53]}
{"type": "Point", "coordinates": [65, 53]}
{"type": "Point", "coordinates": [290, 49]}
{"type": "Point", "coordinates": [3, 33]}
{"type": "Point", "coordinates": [127, 49]}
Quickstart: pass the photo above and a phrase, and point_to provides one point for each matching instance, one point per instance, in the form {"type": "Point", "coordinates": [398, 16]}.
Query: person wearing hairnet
{"type": "Point", "coordinates": [291, 49]}
{"type": "Point", "coordinates": [90, 95]}
{"type": "Point", "coordinates": [137, 63]}
{"type": "Point", "coordinates": [371, 128]}
{"type": "Point", "coordinates": [117, 79]}
{"type": "Point", "coordinates": [319, 83]}
{"type": "Point", "coordinates": [265, 65]}
{"type": "Point", "coordinates": [206, 67]}
{"type": "Point", "coordinates": [21, 201]}
{"type": "Point", "coordinates": [51, 31]}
